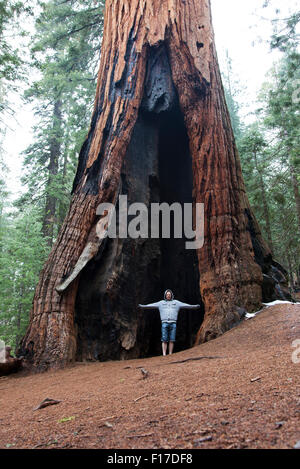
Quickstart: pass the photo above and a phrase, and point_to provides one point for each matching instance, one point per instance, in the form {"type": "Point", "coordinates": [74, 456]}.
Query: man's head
{"type": "Point", "coordinates": [168, 295]}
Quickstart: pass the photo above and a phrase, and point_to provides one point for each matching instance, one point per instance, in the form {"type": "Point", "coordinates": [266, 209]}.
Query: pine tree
{"type": "Point", "coordinates": [232, 90]}
{"type": "Point", "coordinates": [66, 52]}
{"type": "Point", "coordinates": [285, 29]}
{"type": "Point", "coordinates": [283, 117]}
{"type": "Point", "coordinates": [22, 254]}
{"type": "Point", "coordinates": [256, 167]}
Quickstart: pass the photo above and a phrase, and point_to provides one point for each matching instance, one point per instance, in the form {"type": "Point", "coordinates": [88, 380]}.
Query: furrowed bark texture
{"type": "Point", "coordinates": [160, 132]}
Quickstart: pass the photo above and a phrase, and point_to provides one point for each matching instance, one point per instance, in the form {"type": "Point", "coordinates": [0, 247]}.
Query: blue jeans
{"type": "Point", "coordinates": [168, 331]}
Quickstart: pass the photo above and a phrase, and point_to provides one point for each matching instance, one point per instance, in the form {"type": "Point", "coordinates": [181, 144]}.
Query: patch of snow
{"type": "Point", "coordinates": [267, 305]}
{"type": "Point", "coordinates": [251, 315]}
{"type": "Point", "coordinates": [279, 302]}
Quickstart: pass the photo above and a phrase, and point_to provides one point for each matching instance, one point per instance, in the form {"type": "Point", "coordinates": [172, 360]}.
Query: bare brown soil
{"type": "Point", "coordinates": [238, 391]}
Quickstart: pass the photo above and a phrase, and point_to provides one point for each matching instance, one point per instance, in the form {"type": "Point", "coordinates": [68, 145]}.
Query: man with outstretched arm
{"type": "Point", "coordinates": [168, 309]}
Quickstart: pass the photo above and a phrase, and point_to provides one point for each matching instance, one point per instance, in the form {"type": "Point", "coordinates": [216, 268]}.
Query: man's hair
{"type": "Point", "coordinates": [169, 290]}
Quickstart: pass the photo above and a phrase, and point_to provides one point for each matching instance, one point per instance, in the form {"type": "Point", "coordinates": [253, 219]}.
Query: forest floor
{"type": "Point", "coordinates": [238, 391]}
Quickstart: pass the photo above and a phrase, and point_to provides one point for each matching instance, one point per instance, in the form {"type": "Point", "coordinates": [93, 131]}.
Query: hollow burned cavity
{"type": "Point", "coordinates": [157, 168]}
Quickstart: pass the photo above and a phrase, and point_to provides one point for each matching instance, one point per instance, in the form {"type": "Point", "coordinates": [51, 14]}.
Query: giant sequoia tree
{"type": "Point", "coordinates": [160, 132]}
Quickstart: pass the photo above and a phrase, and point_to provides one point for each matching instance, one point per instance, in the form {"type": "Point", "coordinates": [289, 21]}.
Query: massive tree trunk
{"type": "Point", "coordinates": [160, 132]}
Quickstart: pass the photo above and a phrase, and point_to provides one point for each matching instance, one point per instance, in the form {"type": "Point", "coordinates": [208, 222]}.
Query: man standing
{"type": "Point", "coordinates": [168, 309]}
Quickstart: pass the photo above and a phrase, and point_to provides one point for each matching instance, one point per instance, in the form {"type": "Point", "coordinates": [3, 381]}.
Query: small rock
{"type": "Point", "coordinates": [279, 424]}
{"type": "Point", "coordinates": [108, 424]}
{"type": "Point", "coordinates": [145, 373]}
{"type": "Point", "coordinates": [297, 445]}
{"type": "Point", "coordinates": [202, 440]}
{"type": "Point", "coordinates": [204, 432]}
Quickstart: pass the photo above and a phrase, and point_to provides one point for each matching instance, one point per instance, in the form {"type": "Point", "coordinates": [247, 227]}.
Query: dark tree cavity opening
{"type": "Point", "coordinates": [157, 168]}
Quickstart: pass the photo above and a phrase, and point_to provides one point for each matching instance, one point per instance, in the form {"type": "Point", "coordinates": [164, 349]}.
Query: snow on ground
{"type": "Point", "coordinates": [279, 302]}
{"type": "Point", "coordinates": [272, 303]}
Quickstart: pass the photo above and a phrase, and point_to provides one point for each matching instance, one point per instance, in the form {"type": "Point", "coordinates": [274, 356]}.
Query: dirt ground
{"type": "Point", "coordinates": [238, 391]}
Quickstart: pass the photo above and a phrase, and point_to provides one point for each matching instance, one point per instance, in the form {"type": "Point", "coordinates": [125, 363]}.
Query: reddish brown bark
{"type": "Point", "coordinates": [159, 96]}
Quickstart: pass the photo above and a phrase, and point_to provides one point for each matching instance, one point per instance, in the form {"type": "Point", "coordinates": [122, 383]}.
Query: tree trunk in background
{"type": "Point", "coordinates": [296, 191]}
{"type": "Point", "coordinates": [265, 203]}
{"type": "Point", "coordinates": [55, 147]}
{"type": "Point", "coordinates": [160, 132]}
{"type": "Point", "coordinates": [291, 272]}
{"type": "Point", "coordinates": [63, 205]}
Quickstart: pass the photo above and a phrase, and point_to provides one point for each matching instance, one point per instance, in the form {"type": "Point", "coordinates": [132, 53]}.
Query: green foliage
{"type": "Point", "coordinates": [64, 58]}
{"type": "Point", "coordinates": [10, 59]}
{"type": "Point", "coordinates": [270, 158]}
{"type": "Point", "coordinates": [270, 147]}
{"type": "Point", "coordinates": [65, 51]}
{"type": "Point", "coordinates": [232, 91]}
{"type": "Point", "coordinates": [256, 160]}
{"type": "Point", "coordinates": [285, 30]}
{"type": "Point", "coordinates": [23, 251]}
{"type": "Point", "coordinates": [281, 102]}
